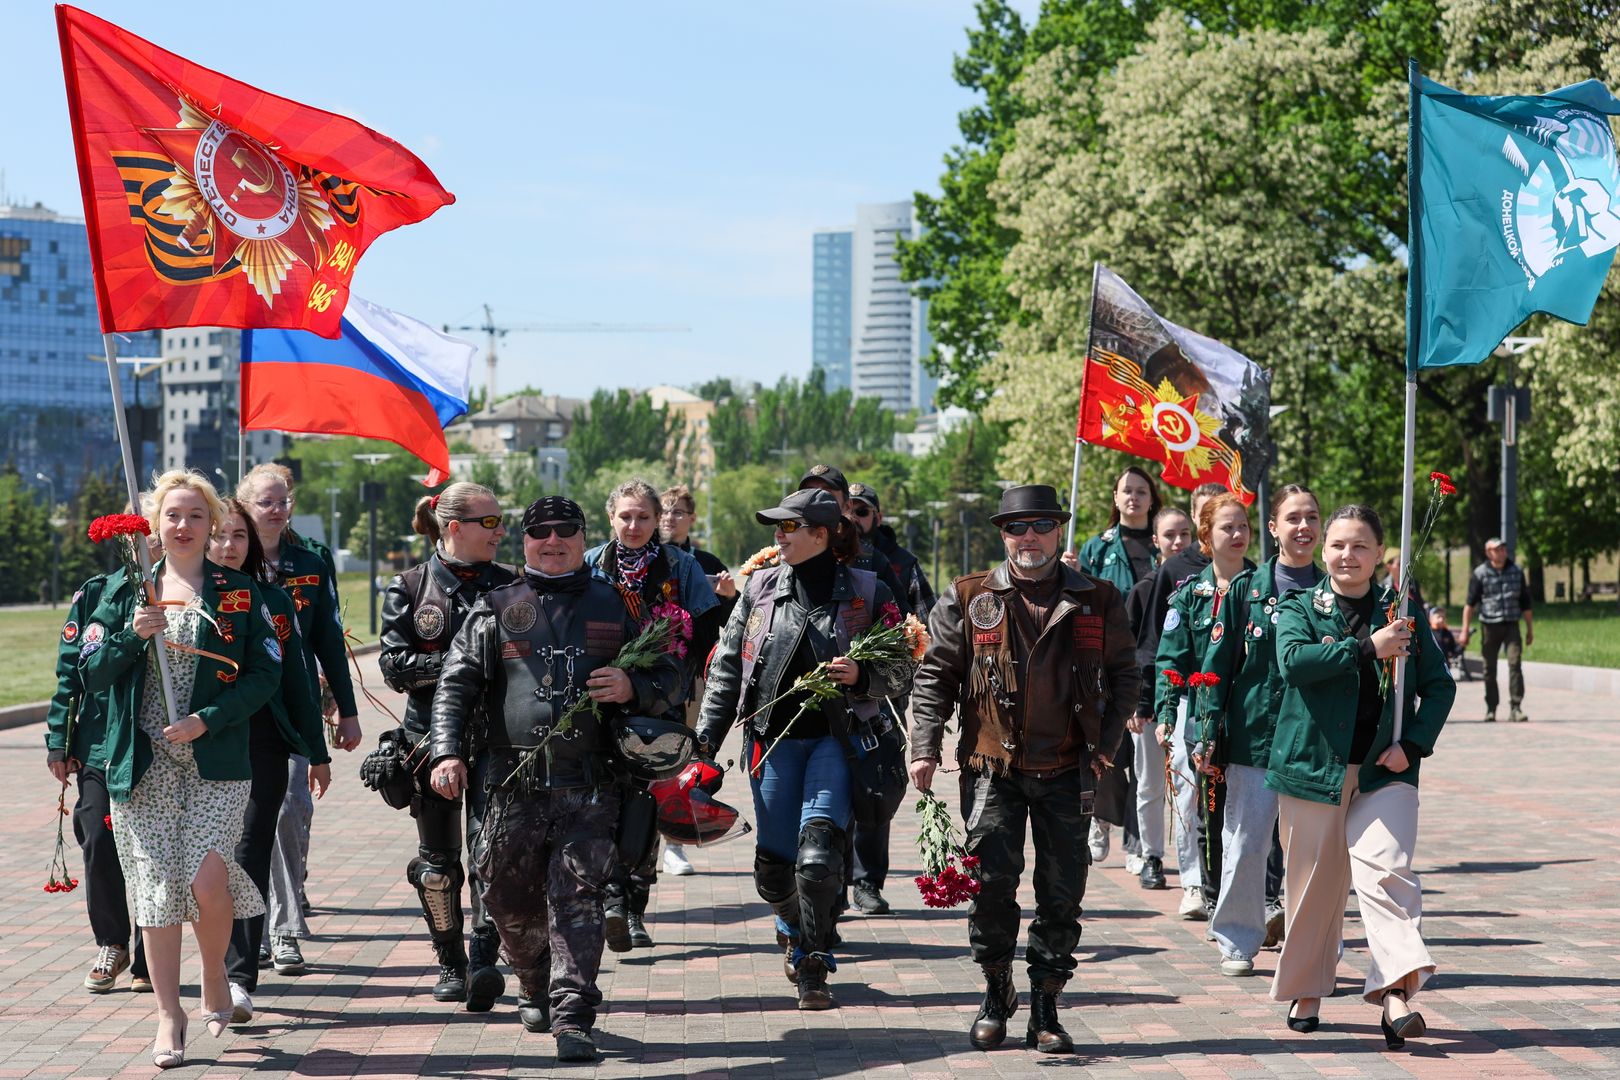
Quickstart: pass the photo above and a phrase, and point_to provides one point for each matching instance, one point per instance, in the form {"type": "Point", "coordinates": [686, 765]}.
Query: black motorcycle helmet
{"type": "Point", "coordinates": [653, 748]}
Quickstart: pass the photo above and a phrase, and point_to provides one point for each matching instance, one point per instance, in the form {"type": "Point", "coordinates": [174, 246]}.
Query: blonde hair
{"type": "Point", "coordinates": [635, 488]}
{"type": "Point", "coordinates": [434, 513]}
{"type": "Point", "coordinates": [265, 470]}
{"type": "Point", "coordinates": [175, 480]}
{"type": "Point", "coordinates": [678, 493]}
{"type": "Point", "coordinates": [1206, 518]}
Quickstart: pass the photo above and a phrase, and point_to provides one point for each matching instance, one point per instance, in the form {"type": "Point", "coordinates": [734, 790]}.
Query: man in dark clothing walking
{"type": "Point", "coordinates": [1040, 659]}
{"type": "Point", "coordinates": [1499, 594]}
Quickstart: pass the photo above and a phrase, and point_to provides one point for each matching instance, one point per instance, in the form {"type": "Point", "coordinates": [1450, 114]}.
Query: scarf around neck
{"type": "Point", "coordinates": [631, 566]}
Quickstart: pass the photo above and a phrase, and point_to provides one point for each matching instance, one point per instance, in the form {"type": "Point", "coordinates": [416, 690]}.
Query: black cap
{"type": "Point", "coordinates": [1030, 501]}
{"type": "Point", "coordinates": [553, 508]}
{"type": "Point", "coordinates": [812, 506]}
{"type": "Point", "coordinates": [826, 474]}
{"type": "Point", "coordinates": [865, 493]}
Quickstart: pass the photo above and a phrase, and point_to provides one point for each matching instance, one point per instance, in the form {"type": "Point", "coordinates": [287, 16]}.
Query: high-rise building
{"type": "Point", "coordinates": [831, 306]}
{"type": "Point", "coordinates": [201, 381]}
{"type": "Point", "coordinates": [869, 332]}
{"type": "Point", "coordinates": [56, 414]}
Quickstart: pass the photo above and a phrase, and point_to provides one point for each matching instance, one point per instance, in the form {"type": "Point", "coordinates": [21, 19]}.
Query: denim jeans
{"type": "Point", "coordinates": [1250, 818]}
{"type": "Point", "coordinates": [802, 780]}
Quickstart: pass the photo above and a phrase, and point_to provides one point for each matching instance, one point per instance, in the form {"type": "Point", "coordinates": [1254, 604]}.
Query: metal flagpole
{"type": "Point", "coordinates": [110, 345]}
{"type": "Point", "coordinates": [1403, 587]}
{"type": "Point", "coordinates": [1414, 344]}
{"type": "Point", "coordinates": [1085, 361]}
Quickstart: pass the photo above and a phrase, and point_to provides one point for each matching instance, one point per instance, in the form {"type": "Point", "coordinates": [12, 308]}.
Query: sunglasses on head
{"type": "Point", "coordinates": [488, 521]}
{"type": "Point", "coordinates": [564, 529]}
{"type": "Point", "coordinates": [861, 510]}
{"type": "Point", "coordinates": [1018, 528]}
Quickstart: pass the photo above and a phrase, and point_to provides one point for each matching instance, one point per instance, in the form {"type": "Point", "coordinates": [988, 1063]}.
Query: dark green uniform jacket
{"type": "Point", "coordinates": [1320, 665]}
{"type": "Point", "coordinates": [1104, 556]}
{"type": "Point", "coordinates": [297, 705]}
{"type": "Point", "coordinates": [114, 665]}
{"type": "Point", "coordinates": [308, 575]}
{"type": "Point", "coordinates": [89, 723]}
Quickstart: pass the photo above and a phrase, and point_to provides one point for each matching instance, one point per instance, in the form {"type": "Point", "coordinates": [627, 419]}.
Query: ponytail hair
{"type": "Point", "coordinates": [1206, 518]}
{"type": "Point", "coordinates": [1358, 512]}
{"type": "Point", "coordinates": [844, 541]}
{"type": "Point", "coordinates": [255, 565]}
{"type": "Point", "coordinates": [434, 513]}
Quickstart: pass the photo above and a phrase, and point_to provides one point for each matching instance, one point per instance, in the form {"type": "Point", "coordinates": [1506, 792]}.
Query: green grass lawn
{"type": "Point", "coordinates": [1586, 634]}
{"type": "Point", "coordinates": [28, 642]}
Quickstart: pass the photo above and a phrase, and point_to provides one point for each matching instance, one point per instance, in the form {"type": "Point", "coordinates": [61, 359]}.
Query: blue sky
{"type": "Point", "coordinates": [635, 162]}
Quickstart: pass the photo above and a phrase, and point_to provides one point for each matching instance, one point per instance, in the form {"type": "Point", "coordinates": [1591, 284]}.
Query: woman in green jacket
{"type": "Point", "coordinates": [289, 723]}
{"type": "Point", "coordinates": [1347, 788]}
{"type": "Point", "coordinates": [306, 572]}
{"type": "Point", "coordinates": [179, 788]}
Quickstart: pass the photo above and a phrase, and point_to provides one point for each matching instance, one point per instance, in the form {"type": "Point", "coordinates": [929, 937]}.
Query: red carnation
{"type": "Point", "coordinates": [1173, 677]}
{"type": "Point", "coordinates": [107, 821]}
{"type": "Point", "coordinates": [889, 614]}
{"type": "Point", "coordinates": [111, 525]}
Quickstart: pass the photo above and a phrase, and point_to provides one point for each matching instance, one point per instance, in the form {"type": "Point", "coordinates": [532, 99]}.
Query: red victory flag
{"type": "Point", "coordinates": [212, 203]}
{"type": "Point", "coordinates": [1171, 395]}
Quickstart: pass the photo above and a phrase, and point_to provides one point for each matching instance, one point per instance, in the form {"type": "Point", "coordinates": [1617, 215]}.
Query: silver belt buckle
{"type": "Point", "coordinates": [870, 741]}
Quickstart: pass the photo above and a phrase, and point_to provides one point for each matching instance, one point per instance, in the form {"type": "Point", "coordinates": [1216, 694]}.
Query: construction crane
{"type": "Point", "coordinates": [493, 332]}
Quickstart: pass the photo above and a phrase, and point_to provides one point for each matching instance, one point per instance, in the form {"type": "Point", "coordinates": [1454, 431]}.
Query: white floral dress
{"type": "Point", "coordinates": [174, 817]}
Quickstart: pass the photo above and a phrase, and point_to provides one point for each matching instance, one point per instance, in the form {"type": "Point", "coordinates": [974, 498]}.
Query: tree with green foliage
{"type": "Point", "coordinates": [621, 424]}
{"type": "Point", "coordinates": [25, 558]}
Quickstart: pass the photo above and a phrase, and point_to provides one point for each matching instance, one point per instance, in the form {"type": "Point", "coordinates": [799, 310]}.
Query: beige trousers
{"type": "Point", "coordinates": [1366, 841]}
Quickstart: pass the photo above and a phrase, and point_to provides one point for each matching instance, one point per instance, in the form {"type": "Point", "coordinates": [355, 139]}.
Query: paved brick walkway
{"type": "Point", "coordinates": [1521, 842]}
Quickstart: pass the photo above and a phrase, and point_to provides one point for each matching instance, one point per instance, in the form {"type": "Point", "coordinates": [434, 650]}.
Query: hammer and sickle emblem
{"type": "Point", "coordinates": [253, 163]}
{"type": "Point", "coordinates": [1173, 425]}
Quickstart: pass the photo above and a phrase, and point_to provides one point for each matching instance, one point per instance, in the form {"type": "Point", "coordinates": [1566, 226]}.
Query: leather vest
{"type": "Point", "coordinates": [547, 646]}
{"type": "Point", "coordinates": [436, 615]}
{"type": "Point", "coordinates": [851, 618]}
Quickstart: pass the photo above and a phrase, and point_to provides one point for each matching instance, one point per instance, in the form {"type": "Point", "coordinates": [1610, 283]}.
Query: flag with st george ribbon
{"type": "Point", "coordinates": [1517, 201]}
{"type": "Point", "coordinates": [212, 203]}
{"type": "Point", "coordinates": [1171, 395]}
{"type": "Point", "coordinates": [386, 376]}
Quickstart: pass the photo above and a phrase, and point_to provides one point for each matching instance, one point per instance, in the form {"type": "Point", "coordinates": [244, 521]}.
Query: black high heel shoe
{"type": "Point", "coordinates": [1396, 1032]}
{"type": "Point", "coordinates": [1302, 1024]}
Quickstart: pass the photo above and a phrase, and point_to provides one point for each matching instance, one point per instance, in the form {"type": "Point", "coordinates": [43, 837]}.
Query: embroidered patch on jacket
{"type": "Point", "coordinates": [1172, 619]}
{"type": "Point", "coordinates": [70, 632]}
{"type": "Point", "coordinates": [987, 637]}
{"type": "Point", "coordinates": [225, 676]}
{"type": "Point", "coordinates": [93, 635]}
{"type": "Point", "coordinates": [227, 629]}
{"type": "Point", "coordinates": [1217, 631]}
{"type": "Point", "coordinates": [986, 611]}
{"type": "Point", "coordinates": [236, 600]}
{"type": "Point", "coordinates": [283, 627]}
{"type": "Point", "coordinates": [603, 638]}
{"type": "Point", "coordinates": [1327, 639]}
{"type": "Point", "coordinates": [273, 647]}
{"type": "Point", "coordinates": [429, 621]}
{"type": "Point", "coordinates": [755, 623]}
{"type": "Point", "coordinates": [512, 650]}
{"type": "Point", "coordinates": [518, 618]}
{"type": "Point", "coordinates": [748, 650]}
{"type": "Point", "coordinates": [1088, 632]}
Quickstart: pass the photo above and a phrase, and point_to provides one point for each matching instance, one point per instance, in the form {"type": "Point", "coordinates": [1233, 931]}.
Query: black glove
{"type": "Point", "coordinates": [384, 771]}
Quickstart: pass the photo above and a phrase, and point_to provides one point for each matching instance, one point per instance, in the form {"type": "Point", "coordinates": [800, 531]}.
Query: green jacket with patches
{"type": "Point", "coordinates": [1320, 664]}
{"type": "Point", "coordinates": [1104, 556]}
{"type": "Point", "coordinates": [224, 700]}
{"type": "Point", "coordinates": [89, 721]}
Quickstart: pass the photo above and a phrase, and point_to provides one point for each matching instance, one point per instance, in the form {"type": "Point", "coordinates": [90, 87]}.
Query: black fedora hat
{"type": "Point", "coordinates": [1030, 501]}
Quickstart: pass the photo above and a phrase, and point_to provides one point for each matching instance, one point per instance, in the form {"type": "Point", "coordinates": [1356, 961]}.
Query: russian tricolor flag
{"type": "Point", "coordinates": [386, 376]}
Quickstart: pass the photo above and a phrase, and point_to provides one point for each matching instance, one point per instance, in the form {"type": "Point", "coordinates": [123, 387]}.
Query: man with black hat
{"type": "Point", "coordinates": [528, 651]}
{"type": "Point", "coordinates": [1041, 660]}
{"type": "Point", "coordinates": [869, 868]}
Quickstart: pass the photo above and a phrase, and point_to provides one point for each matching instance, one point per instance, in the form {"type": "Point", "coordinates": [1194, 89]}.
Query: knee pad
{"type": "Point", "coordinates": [820, 866]}
{"type": "Point", "coordinates": [773, 878]}
{"type": "Point", "coordinates": [438, 883]}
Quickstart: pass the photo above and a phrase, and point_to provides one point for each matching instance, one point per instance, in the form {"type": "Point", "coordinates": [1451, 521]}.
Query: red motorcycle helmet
{"type": "Point", "coordinates": [689, 813]}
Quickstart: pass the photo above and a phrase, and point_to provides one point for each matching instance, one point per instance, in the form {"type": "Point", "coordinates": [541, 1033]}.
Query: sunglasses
{"type": "Point", "coordinates": [791, 527]}
{"type": "Point", "coordinates": [1042, 526]}
{"type": "Point", "coordinates": [488, 521]}
{"type": "Point", "coordinates": [564, 529]}
{"type": "Point", "coordinates": [861, 510]}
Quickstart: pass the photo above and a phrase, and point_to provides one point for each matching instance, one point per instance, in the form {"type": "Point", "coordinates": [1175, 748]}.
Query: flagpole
{"type": "Point", "coordinates": [1085, 362]}
{"type": "Point", "coordinates": [109, 344]}
{"type": "Point", "coordinates": [1414, 345]}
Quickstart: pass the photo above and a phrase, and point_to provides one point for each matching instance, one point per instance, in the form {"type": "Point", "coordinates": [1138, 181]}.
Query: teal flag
{"type": "Point", "coordinates": [1515, 209]}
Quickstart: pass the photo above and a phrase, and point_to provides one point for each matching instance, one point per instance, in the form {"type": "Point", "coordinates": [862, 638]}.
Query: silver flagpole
{"type": "Point", "coordinates": [1074, 495]}
{"type": "Point", "coordinates": [1403, 587]}
{"type": "Point", "coordinates": [110, 344]}
{"type": "Point", "coordinates": [1085, 361]}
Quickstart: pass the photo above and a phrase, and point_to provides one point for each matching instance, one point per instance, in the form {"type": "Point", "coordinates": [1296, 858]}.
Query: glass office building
{"type": "Point", "coordinates": [56, 412]}
{"type": "Point", "coordinates": [831, 307]}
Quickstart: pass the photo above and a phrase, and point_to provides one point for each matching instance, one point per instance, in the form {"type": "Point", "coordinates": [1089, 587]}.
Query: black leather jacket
{"type": "Point", "coordinates": [421, 611]}
{"type": "Point", "coordinates": [726, 698]}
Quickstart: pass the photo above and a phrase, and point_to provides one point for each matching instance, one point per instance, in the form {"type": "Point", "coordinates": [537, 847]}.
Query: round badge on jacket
{"type": "Point", "coordinates": [755, 623]}
{"type": "Point", "coordinates": [519, 617]}
{"type": "Point", "coordinates": [986, 611]}
{"type": "Point", "coordinates": [429, 621]}
{"type": "Point", "coordinates": [1217, 631]}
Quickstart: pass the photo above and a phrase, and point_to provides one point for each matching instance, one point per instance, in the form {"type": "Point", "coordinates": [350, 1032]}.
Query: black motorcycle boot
{"type": "Point", "coordinates": [1045, 1032]}
{"type": "Point", "coordinates": [1000, 1004]}
{"type": "Point", "coordinates": [485, 982]}
{"type": "Point", "coordinates": [813, 993]}
{"type": "Point", "coordinates": [452, 984]}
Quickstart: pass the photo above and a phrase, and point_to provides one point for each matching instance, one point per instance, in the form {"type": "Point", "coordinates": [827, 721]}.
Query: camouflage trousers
{"type": "Point", "coordinates": [544, 858]}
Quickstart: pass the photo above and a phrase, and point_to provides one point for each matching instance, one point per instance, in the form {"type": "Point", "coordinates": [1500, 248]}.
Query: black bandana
{"type": "Point", "coordinates": [552, 508]}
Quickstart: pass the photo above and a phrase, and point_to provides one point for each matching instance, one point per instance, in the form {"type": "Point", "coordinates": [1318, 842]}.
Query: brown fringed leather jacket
{"type": "Point", "coordinates": [1043, 706]}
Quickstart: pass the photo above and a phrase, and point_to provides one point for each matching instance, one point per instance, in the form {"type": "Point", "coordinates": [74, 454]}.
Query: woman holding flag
{"type": "Point", "coordinates": [309, 577]}
{"type": "Point", "coordinates": [289, 723]}
{"type": "Point", "coordinates": [1347, 789]}
{"type": "Point", "coordinates": [179, 771]}
{"type": "Point", "coordinates": [422, 610]}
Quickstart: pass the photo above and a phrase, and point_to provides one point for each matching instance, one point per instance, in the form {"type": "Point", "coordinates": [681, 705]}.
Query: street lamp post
{"type": "Point", "coordinates": [337, 542]}
{"type": "Point", "coordinates": [936, 505]}
{"type": "Point", "coordinates": [968, 499]}
{"type": "Point", "coordinates": [1510, 406]}
{"type": "Point", "coordinates": [371, 494]}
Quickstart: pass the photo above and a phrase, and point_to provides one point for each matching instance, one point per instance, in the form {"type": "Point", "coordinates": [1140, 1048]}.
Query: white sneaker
{"type": "Point", "coordinates": [1192, 904]}
{"type": "Point", "coordinates": [675, 861]}
{"type": "Point", "coordinates": [1134, 864]}
{"type": "Point", "coordinates": [1099, 841]}
{"type": "Point", "coordinates": [241, 1005]}
{"type": "Point", "coordinates": [1237, 967]}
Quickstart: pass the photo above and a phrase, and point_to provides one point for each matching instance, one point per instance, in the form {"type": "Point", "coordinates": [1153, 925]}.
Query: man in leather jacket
{"type": "Point", "coordinates": [1041, 660]}
{"type": "Point", "coordinates": [527, 652]}
{"type": "Point", "coordinates": [422, 610]}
